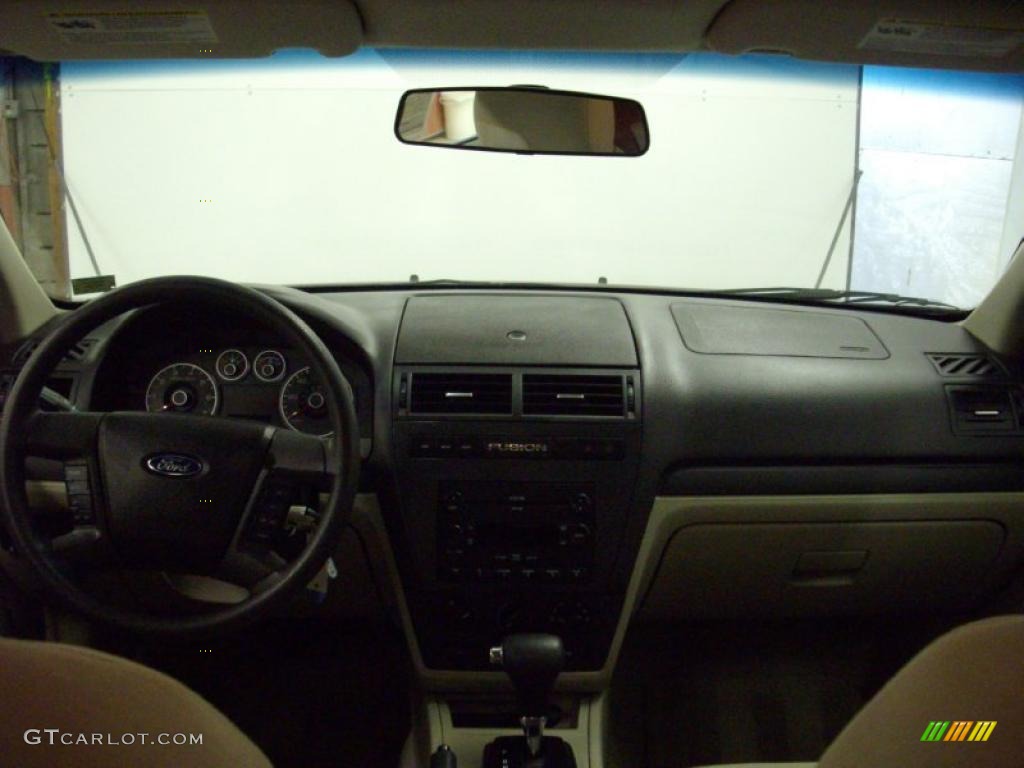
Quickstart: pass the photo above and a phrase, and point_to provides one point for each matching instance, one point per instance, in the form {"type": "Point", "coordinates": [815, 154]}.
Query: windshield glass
{"type": "Point", "coordinates": [762, 171]}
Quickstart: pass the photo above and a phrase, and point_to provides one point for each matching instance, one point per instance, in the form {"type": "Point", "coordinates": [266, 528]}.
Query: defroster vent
{"type": "Point", "coordinates": [966, 366]}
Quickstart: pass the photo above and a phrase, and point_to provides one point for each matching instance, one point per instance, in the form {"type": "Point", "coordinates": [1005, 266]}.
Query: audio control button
{"type": "Point", "coordinates": [580, 533]}
{"type": "Point", "coordinates": [579, 575]}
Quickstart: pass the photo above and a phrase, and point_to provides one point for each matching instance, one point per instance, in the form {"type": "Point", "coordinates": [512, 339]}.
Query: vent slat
{"type": "Point", "coordinates": [573, 395]}
{"type": "Point", "coordinates": [484, 393]}
{"type": "Point", "coordinates": [966, 366]}
{"type": "Point", "coordinates": [982, 409]}
{"type": "Point", "coordinates": [75, 354]}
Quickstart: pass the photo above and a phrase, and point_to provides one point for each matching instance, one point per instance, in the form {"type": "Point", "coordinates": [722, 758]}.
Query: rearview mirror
{"type": "Point", "coordinates": [525, 120]}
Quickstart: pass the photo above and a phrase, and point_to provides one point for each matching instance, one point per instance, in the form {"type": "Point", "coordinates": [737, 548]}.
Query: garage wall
{"type": "Point", "coordinates": [940, 207]}
{"type": "Point", "coordinates": [287, 170]}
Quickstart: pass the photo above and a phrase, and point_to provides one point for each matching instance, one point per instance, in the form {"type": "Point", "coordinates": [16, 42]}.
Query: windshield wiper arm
{"type": "Point", "coordinates": [835, 296]}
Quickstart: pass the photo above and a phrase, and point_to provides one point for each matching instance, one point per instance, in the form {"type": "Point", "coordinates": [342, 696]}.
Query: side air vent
{"type": "Point", "coordinates": [79, 351]}
{"type": "Point", "coordinates": [981, 410]}
{"type": "Point", "coordinates": [486, 393]}
{"type": "Point", "coordinates": [76, 354]}
{"type": "Point", "coordinates": [568, 395]}
{"type": "Point", "coordinates": [966, 366]}
{"type": "Point", "coordinates": [24, 353]}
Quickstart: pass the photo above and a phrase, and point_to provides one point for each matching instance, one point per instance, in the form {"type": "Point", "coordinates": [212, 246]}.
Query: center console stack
{"type": "Point", "coordinates": [517, 423]}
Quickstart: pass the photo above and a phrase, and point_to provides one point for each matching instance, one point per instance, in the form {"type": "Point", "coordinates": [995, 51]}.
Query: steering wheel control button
{"type": "Point", "coordinates": [270, 511]}
{"type": "Point", "coordinates": [269, 366]}
{"type": "Point", "coordinates": [232, 365]}
{"type": "Point", "coordinates": [76, 477]}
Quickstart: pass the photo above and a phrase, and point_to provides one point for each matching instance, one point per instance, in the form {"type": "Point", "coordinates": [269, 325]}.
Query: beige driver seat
{"type": "Point", "coordinates": [79, 699]}
{"type": "Point", "coordinates": [973, 674]}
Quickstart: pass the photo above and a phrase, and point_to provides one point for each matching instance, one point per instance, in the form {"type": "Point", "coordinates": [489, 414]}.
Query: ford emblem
{"type": "Point", "coordinates": [174, 465]}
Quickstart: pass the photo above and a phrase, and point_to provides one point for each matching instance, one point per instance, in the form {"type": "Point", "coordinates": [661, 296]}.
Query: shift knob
{"type": "Point", "coordinates": [443, 758]}
{"type": "Point", "coordinates": [532, 662]}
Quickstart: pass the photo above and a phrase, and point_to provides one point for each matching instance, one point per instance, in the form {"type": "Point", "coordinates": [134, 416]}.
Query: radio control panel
{"type": "Point", "coordinates": [522, 533]}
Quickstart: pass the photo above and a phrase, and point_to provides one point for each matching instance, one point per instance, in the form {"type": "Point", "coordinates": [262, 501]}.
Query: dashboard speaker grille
{"type": "Point", "coordinates": [489, 393]}
{"type": "Point", "coordinates": [568, 395]}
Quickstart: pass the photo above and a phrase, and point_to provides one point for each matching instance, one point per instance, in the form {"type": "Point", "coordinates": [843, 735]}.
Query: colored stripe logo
{"type": "Point", "coordinates": [958, 730]}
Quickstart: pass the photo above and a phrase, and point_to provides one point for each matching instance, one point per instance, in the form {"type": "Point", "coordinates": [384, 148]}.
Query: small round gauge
{"type": "Point", "coordinates": [303, 404]}
{"type": "Point", "coordinates": [269, 365]}
{"type": "Point", "coordinates": [232, 364]}
{"type": "Point", "coordinates": [182, 388]}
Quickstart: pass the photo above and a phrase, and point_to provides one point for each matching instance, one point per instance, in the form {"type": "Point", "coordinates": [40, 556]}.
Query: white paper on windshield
{"type": "Point", "coordinates": [941, 39]}
{"type": "Point", "coordinates": [134, 27]}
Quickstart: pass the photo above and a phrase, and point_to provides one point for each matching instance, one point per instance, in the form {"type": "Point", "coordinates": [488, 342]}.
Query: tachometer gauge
{"type": "Point", "coordinates": [232, 364]}
{"type": "Point", "coordinates": [182, 388]}
{"type": "Point", "coordinates": [303, 404]}
{"type": "Point", "coordinates": [269, 365]}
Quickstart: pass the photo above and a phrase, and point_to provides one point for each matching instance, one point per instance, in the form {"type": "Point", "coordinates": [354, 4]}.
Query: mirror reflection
{"type": "Point", "coordinates": [526, 120]}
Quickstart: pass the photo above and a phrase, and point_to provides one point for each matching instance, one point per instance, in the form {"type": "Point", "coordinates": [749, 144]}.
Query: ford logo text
{"type": "Point", "coordinates": [173, 465]}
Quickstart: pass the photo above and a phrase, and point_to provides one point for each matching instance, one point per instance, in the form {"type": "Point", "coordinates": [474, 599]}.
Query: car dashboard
{"type": "Point", "coordinates": [571, 461]}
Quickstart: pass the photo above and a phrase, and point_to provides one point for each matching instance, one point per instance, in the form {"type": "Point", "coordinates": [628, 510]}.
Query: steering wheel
{"type": "Point", "coordinates": [177, 493]}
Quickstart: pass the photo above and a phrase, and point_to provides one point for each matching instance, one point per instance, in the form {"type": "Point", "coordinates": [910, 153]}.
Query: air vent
{"type": "Point", "coordinates": [568, 395]}
{"type": "Point", "coordinates": [966, 366]}
{"type": "Point", "coordinates": [76, 354]}
{"type": "Point", "coordinates": [79, 350]}
{"type": "Point", "coordinates": [24, 352]}
{"type": "Point", "coordinates": [981, 410]}
{"type": "Point", "coordinates": [455, 392]}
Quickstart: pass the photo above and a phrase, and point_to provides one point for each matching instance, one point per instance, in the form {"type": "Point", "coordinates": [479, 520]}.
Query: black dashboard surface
{"type": "Point", "coordinates": [700, 410]}
{"type": "Point", "coordinates": [515, 330]}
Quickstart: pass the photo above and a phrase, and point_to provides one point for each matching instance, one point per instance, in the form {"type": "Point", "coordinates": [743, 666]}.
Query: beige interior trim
{"type": "Point", "coordinates": [47, 495]}
{"type": "Point", "coordinates": [24, 306]}
{"type": "Point", "coordinates": [468, 743]}
{"type": "Point", "coordinates": [668, 516]}
{"type": "Point", "coordinates": [253, 28]}
{"type": "Point", "coordinates": [367, 518]}
{"type": "Point", "coordinates": [811, 29]}
{"type": "Point", "coordinates": [222, 29]}
{"type": "Point", "coordinates": [998, 322]}
{"type": "Point", "coordinates": [674, 513]}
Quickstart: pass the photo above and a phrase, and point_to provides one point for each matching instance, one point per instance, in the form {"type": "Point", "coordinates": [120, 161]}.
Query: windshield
{"type": "Point", "coordinates": [761, 172]}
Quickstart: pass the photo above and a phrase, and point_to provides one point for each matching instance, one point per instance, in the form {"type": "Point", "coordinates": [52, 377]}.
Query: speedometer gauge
{"type": "Point", "coordinates": [303, 404]}
{"type": "Point", "coordinates": [182, 388]}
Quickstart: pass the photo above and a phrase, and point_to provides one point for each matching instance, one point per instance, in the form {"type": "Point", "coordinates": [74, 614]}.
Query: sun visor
{"type": "Point", "coordinates": [980, 35]}
{"type": "Point", "coordinates": [114, 29]}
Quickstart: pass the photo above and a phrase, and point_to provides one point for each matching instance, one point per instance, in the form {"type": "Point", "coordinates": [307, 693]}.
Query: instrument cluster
{"type": "Point", "coordinates": [261, 384]}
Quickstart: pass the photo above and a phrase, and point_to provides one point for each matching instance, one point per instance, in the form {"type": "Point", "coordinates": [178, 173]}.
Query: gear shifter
{"type": "Point", "coordinates": [533, 663]}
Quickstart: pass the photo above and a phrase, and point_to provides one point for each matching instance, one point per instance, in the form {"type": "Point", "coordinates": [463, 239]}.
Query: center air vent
{"type": "Point", "coordinates": [966, 366]}
{"type": "Point", "coordinates": [458, 392]}
{"type": "Point", "coordinates": [568, 395]}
